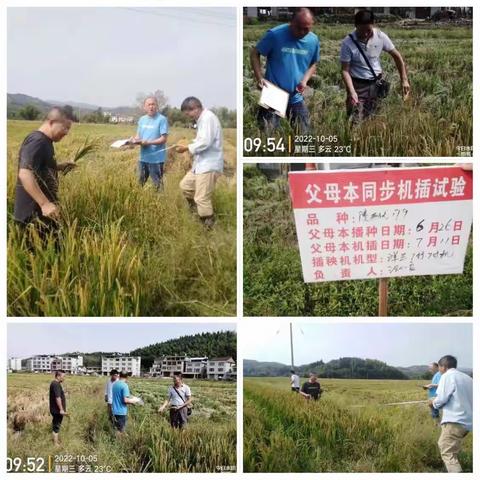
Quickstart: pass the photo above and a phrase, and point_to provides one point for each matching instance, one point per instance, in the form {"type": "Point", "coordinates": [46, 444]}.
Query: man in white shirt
{"type": "Point", "coordinates": [294, 381]}
{"type": "Point", "coordinates": [207, 151]}
{"type": "Point", "coordinates": [455, 398]}
{"type": "Point", "coordinates": [359, 80]}
{"type": "Point", "coordinates": [180, 401]}
{"type": "Point", "coordinates": [108, 392]}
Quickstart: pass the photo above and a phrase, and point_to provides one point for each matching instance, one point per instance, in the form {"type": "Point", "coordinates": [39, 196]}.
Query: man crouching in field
{"type": "Point", "coordinates": [455, 398]}
{"type": "Point", "coordinates": [180, 401]}
{"type": "Point", "coordinates": [58, 404]}
{"type": "Point", "coordinates": [311, 390]}
{"type": "Point", "coordinates": [36, 192]}
{"type": "Point", "coordinates": [207, 150]}
{"type": "Point", "coordinates": [361, 69]}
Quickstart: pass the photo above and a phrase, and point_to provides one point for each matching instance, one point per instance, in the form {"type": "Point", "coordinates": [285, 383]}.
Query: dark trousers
{"type": "Point", "coordinates": [297, 114]}
{"type": "Point", "coordinates": [368, 101]}
{"type": "Point", "coordinates": [56, 422]}
{"type": "Point", "coordinates": [178, 418]}
{"type": "Point", "coordinates": [152, 170]}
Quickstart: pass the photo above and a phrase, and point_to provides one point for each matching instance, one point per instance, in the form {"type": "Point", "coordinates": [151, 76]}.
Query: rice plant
{"type": "Point", "coordinates": [347, 430]}
{"type": "Point", "coordinates": [124, 250]}
{"type": "Point", "coordinates": [208, 444]}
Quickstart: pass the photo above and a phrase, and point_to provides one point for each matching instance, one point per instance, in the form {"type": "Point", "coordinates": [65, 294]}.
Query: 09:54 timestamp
{"type": "Point", "coordinates": [267, 145]}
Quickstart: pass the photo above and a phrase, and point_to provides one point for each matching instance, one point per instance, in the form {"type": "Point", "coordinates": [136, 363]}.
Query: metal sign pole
{"type": "Point", "coordinates": [291, 346]}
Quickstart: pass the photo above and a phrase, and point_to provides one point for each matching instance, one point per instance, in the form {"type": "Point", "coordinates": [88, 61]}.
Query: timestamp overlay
{"type": "Point", "coordinates": [60, 463]}
{"type": "Point", "coordinates": [300, 145]}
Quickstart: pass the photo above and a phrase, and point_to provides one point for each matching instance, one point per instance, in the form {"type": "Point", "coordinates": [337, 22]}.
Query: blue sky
{"type": "Point", "coordinates": [397, 344]}
{"type": "Point", "coordinates": [105, 56]}
{"type": "Point", "coordinates": [25, 339]}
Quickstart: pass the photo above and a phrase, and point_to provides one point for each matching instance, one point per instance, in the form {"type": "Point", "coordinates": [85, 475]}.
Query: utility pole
{"type": "Point", "coordinates": [291, 347]}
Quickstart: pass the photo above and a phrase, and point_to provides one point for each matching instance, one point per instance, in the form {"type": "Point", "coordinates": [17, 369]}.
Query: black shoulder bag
{"type": "Point", "coordinates": [382, 85]}
{"type": "Point", "coordinates": [189, 409]}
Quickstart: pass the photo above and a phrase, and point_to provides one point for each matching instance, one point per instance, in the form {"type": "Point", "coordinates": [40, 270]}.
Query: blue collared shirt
{"type": "Point", "coordinates": [455, 398]}
{"type": "Point", "coordinates": [207, 148]}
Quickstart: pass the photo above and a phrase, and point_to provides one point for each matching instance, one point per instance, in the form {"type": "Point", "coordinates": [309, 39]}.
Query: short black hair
{"type": "Point", "coordinates": [292, 371]}
{"type": "Point", "coordinates": [114, 372]}
{"type": "Point", "coordinates": [59, 372]}
{"type": "Point", "coordinates": [60, 114]}
{"type": "Point", "coordinates": [448, 361]}
{"type": "Point", "coordinates": [435, 364]}
{"type": "Point", "coordinates": [178, 374]}
{"type": "Point", "coordinates": [190, 103]}
{"type": "Point", "coordinates": [364, 17]}
{"type": "Point", "coordinates": [123, 375]}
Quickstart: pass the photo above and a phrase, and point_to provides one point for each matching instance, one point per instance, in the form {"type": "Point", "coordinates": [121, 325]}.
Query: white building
{"type": "Point", "coordinates": [195, 367]}
{"type": "Point", "coordinates": [50, 363]}
{"type": "Point", "coordinates": [122, 363]}
{"type": "Point", "coordinates": [172, 364]}
{"type": "Point", "coordinates": [15, 364]}
{"type": "Point", "coordinates": [220, 368]}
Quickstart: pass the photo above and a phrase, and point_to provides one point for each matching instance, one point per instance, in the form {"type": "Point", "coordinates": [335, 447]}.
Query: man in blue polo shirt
{"type": "Point", "coordinates": [432, 390]}
{"type": "Point", "coordinates": [120, 401]}
{"type": "Point", "coordinates": [292, 52]}
{"type": "Point", "coordinates": [152, 133]}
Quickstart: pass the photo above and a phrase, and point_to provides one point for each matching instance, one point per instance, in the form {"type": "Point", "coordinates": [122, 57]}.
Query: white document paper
{"type": "Point", "coordinates": [121, 143]}
{"type": "Point", "coordinates": [274, 98]}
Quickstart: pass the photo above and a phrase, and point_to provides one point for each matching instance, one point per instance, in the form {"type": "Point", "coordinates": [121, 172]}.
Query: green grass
{"type": "Point", "coordinates": [272, 274]}
{"type": "Point", "coordinates": [125, 251]}
{"type": "Point", "coordinates": [346, 431]}
{"type": "Point", "coordinates": [150, 445]}
{"type": "Point", "coordinates": [436, 120]}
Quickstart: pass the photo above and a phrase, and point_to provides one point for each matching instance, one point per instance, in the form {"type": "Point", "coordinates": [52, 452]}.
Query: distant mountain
{"type": "Point", "coordinates": [252, 368]}
{"type": "Point", "coordinates": [421, 371]}
{"type": "Point", "coordinates": [16, 101]}
{"type": "Point", "coordinates": [209, 344]}
{"type": "Point", "coordinates": [347, 367]}
{"type": "Point", "coordinates": [83, 106]}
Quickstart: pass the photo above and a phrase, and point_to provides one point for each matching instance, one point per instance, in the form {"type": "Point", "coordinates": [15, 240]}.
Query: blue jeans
{"type": "Point", "coordinates": [120, 422]}
{"type": "Point", "coordinates": [153, 170]}
{"type": "Point", "coordinates": [297, 114]}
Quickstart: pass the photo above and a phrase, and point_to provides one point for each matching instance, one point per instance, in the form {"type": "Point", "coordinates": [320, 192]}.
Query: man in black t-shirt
{"type": "Point", "coordinates": [36, 192]}
{"type": "Point", "coordinates": [311, 389]}
{"type": "Point", "coordinates": [58, 404]}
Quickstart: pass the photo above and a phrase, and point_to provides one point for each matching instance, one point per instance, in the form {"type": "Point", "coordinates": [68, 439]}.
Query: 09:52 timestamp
{"type": "Point", "coordinates": [29, 464]}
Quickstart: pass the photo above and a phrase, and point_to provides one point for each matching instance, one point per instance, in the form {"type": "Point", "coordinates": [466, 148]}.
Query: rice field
{"type": "Point", "coordinates": [125, 250]}
{"type": "Point", "coordinates": [437, 120]}
{"type": "Point", "coordinates": [347, 430]}
{"type": "Point", "coordinates": [208, 444]}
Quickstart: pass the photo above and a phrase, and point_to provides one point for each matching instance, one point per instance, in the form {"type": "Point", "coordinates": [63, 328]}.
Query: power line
{"type": "Point", "coordinates": [188, 19]}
